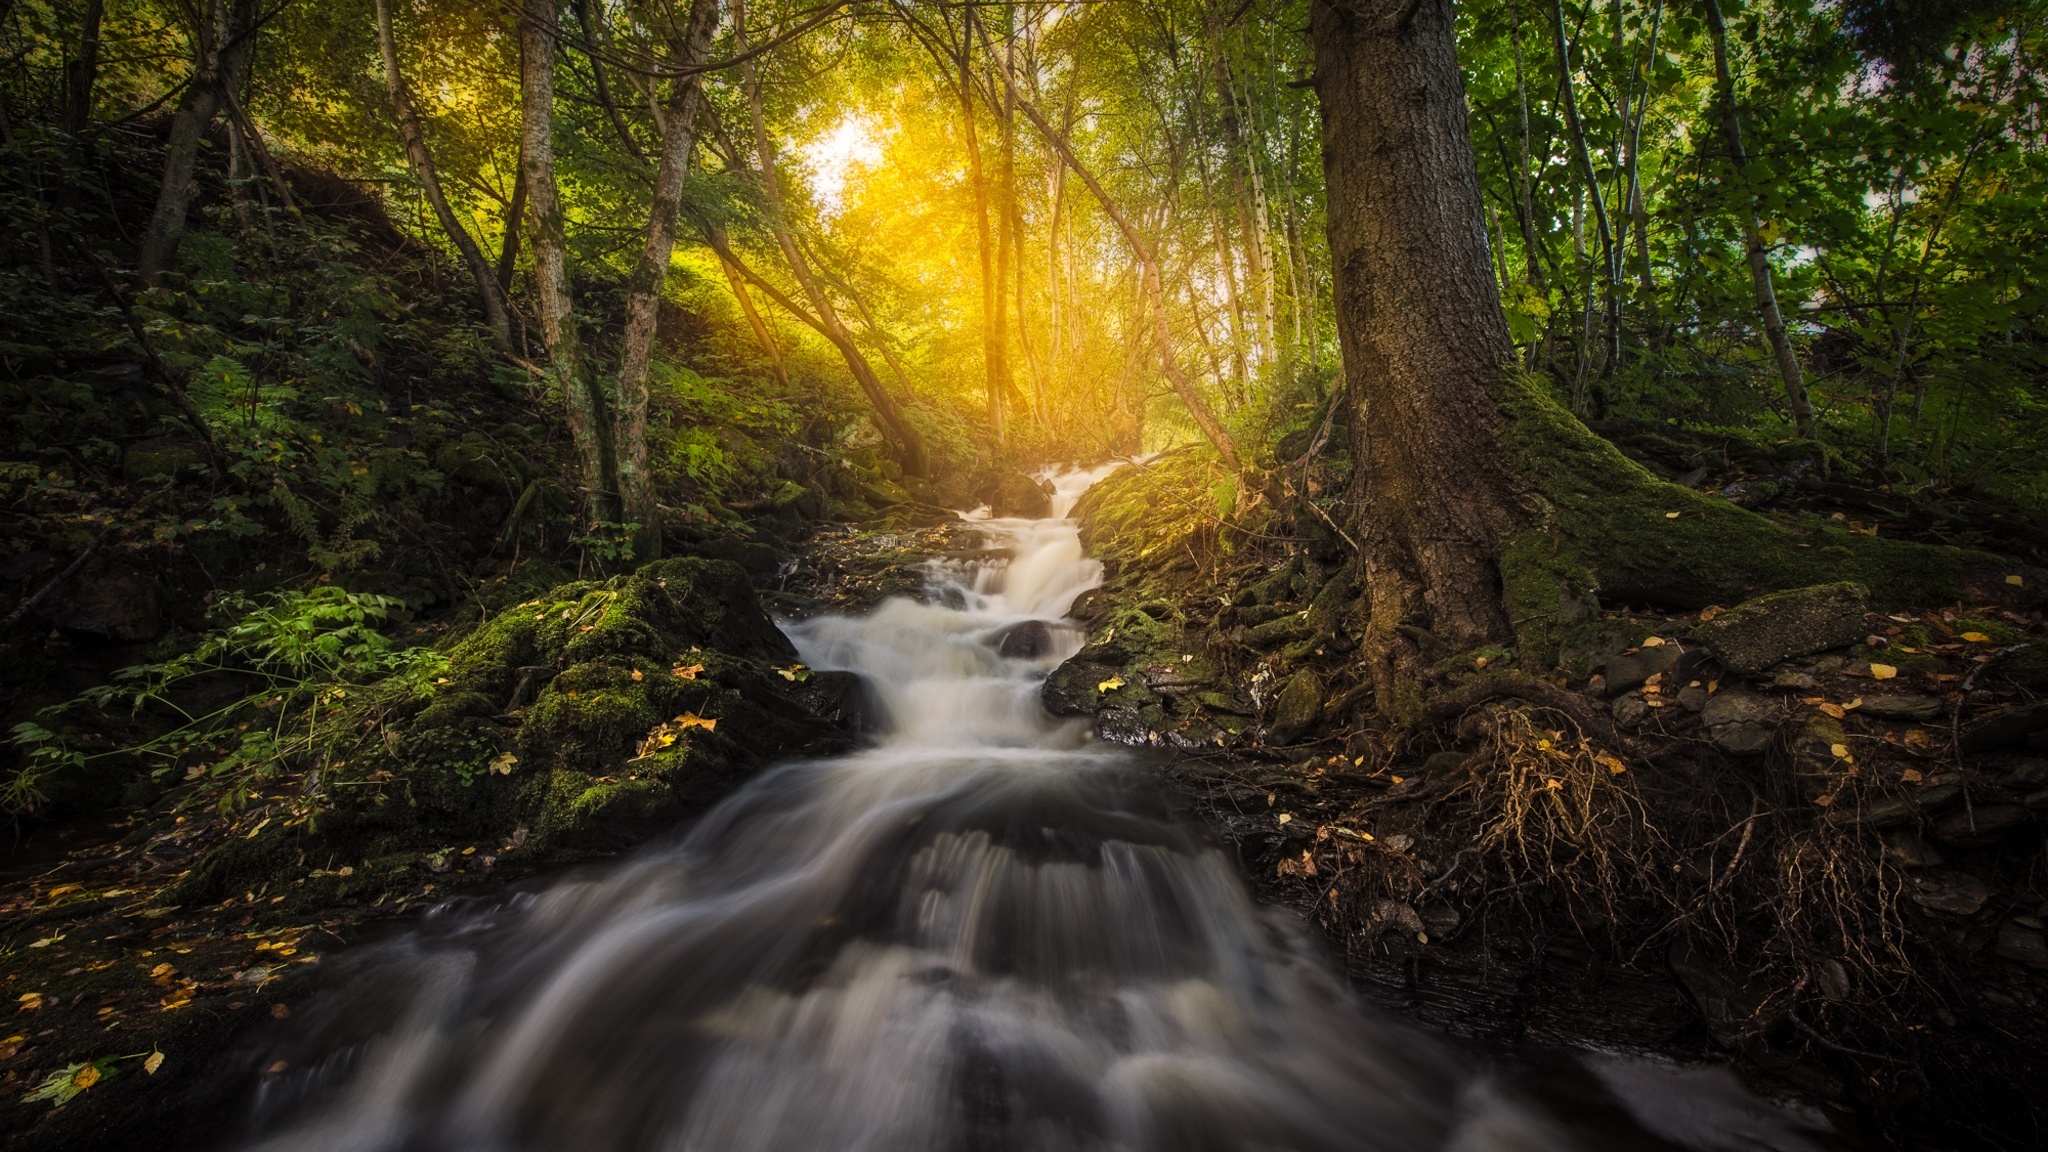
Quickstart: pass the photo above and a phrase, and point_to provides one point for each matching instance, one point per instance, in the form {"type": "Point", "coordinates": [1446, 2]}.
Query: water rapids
{"type": "Point", "coordinates": [977, 934]}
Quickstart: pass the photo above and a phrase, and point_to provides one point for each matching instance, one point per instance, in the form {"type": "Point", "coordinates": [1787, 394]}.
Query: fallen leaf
{"type": "Point", "coordinates": [1654, 641]}
{"type": "Point", "coordinates": [63, 1085]}
{"type": "Point", "coordinates": [1835, 710]}
{"type": "Point", "coordinates": [1976, 638]}
{"type": "Point", "coordinates": [1923, 740]}
{"type": "Point", "coordinates": [689, 720]}
{"type": "Point", "coordinates": [46, 941]}
{"type": "Point", "coordinates": [794, 673]}
{"type": "Point", "coordinates": [1110, 685]}
{"type": "Point", "coordinates": [637, 677]}
{"type": "Point", "coordinates": [2016, 581]}
{"type": "Point", "coordinates": [1399, 779]}
{"type": "Point", "coordinates": [1671, 515]}
{"type": "Point", "coordinates": [1613, 764]}
{"type": "Point", "coordinates": [1882, 671]}
{"type": "Point", "coordinates": [501, 764]}
{"type": "Point", "coordinates": [152, 1063]}
{"type": "Point", "coordinates": [1285, 817]}
{"type": "Point", "coordinates": [686, 671]}
{"type": "Point", "coordinates": [1841, 752]}
{"type": "Point", "coordinates": [1824, 801]}
{"type": "Point", "coordinates": [1911, 776]}
{"type": "Point", "coordinates": [29, 1001]}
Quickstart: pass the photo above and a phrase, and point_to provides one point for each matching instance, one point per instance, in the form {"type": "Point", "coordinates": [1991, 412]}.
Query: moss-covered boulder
{"type": "Point", "coordinates": [1298, 707]}
{"type": "Point", "coordinates": [577, 722]}
{"type": "Point", "coordinates": [1758, 633]}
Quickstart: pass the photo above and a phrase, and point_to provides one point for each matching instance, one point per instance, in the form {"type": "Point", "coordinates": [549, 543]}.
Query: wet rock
{"type": "Point", "coordinates": [1951, 893]}
{"type": "Point", "coordinates": [1299, 706]}
{"type": "Point", "coordinates": [1739, 1009]}
{"type": "Point", "coordinates": [1626, 672]}
{"type": "Point", "coordinates": [840, 698]}
{"type": "Point", "coordinates": [110, 599]}
{"type": "Point", "coordinates": [2025, 945]}
{"type": "Point", "coordinates": [1739, 723]}
{"type": "Point", "coordinates": [1024, 641]}
{"type": "Point", "coordinates": [1693, 698]}
{"type": "Point", "coordinates": [1015, 494]}
{"type": "Point", "coordinates": [1756, 634]}
{"type": "Point", "coordinates": [1072, 689]}
{"type": "Point", "coordinates": [757, 558]}
{"type": "Point", "coordinates": [1980, 826]}
{"type": "Point", "coordinates": [2005, 729]}
{"type": "Point", "coordinates": [1902, 707]}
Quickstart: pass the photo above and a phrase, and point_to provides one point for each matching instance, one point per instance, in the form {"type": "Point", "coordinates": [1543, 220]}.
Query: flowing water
{"type": "Point", "coordinates": [977, 934]}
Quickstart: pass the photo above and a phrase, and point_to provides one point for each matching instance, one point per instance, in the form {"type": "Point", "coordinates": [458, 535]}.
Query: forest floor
{"type": "Point", "coordinates": [1823, 866]}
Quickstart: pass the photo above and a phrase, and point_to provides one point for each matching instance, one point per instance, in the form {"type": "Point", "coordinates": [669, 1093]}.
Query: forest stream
{"type": "Point", "coordinates": [980, 932]}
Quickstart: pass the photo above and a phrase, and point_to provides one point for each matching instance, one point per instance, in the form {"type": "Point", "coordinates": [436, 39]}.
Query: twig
{"type": "Point", "coordinates": [26, 606]}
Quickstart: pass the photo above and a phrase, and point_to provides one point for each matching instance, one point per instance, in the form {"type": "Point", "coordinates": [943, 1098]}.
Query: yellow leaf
{"type": "Point", "coordinates": [689, 720]}
{"type": "Point", "coordinates": [1834, 710]}
{"type": "Point", "coordinates": [2016, 581]}
{"type": "Point", "coordinates": [1613, 764]}
{"type": "Point", "coordinates": [154, 1062]}
{"type": "Point", "coordinates": [46, 941]}
{"type": "Point", "coordinates": [1671, 515]}
{"type": "Point", "coordinates": [1824, 801]}
{"type": "Point", "coordinates": [86, 1076]}
{"type": "Point", "coordinates": [1111, 684]}
{"type": "Point", "coordinates": [1976, 638]}
{"type": "Point", "coordinates": [1882, 671]}
{"type": "Point", "coordinates": [1398, 779]}
{"type": "Point", "coordinates": [1839, 751]}
{"type": "Point", "coordinates": [502, 763]}
{"type": "Point", "coordinates": [686, 671]}
{"type": "Point", "coordinates": [30, 1001]}
{"type": "Point", "coordinates": [1285, 817]}
{"type": "Point", "coordinates": [637, 677]}
{"type": "Point", "coordinates": [1654, 641]}
{"type": "Point", "coordinates": [1911, 776]}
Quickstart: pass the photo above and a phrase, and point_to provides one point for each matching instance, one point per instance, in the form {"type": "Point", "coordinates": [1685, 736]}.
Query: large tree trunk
{"type": "Point", "coordinates": [1754, 249]}
{"type": "Point", "coordinates": [584, 403]}
{"type": "Point", "coordinates": [1423, 337]}
{"type": "Point", "coordinates": [650, 275]}
{"type": "Point", "coordinates": [415, 141]}
{"type": "Point", "coordinates": [218, 58]}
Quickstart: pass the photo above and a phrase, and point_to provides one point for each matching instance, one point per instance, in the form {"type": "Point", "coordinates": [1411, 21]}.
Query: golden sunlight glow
{"type": "Point", "coordinates": [850, 146]}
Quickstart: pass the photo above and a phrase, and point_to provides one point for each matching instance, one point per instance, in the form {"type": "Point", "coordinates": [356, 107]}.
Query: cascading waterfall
{"type": "Point", "coordinates": [973, 935]}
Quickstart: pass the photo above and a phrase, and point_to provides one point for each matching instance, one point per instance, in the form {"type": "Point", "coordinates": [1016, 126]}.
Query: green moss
{"type": "Point", "coordinates": [1609, 527]}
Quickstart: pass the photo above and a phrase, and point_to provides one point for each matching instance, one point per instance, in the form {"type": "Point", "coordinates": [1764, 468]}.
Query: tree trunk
{"type": "Point", "coordinates": [508, 248]}
{"type": "Point", "coordinates": [650, 275]}
{"type": "Point", "coordinates": [82, 71]}
{"type": "Point", "coordinates": [415, 141]}
{"type": "Point", "coordinates": [219, 55]}
{"type": "Point", "coordinates": [1148, 267]}
{"type": "Point", "coordinates": [1583, 153]}
{"type": "Point", "coordinates": [1423, 337]}
{"type": "Point", "coordinates": [910, 447]}
{"type": "Point", "coordinates": [754, 321]}
{"type": "Point", "coordinates": [995, 356]}
{"type": "Point", "coordinates": [583, 402]}
{"type": "Point", "coordinates": [1755, 251]}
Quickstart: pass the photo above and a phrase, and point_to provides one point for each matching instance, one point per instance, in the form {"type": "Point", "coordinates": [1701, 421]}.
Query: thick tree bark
{"type": "Point", "coordinates": [584, 403]}
{"type": "Point", "coordinates": [218, 58]}
{"type": "Point", "coordinates": [910, 448]}
{"type": "Point", "coordinates": [415, 141]}
{"type": "Point", "coordinates": [1148, 270]}
{"type": "Point", "coordinates": [1755, 251]}
{"type": "Point", "coordinates": [82, 71]}
{"type": "Point", "coordinates": [1423, 337]}
{"type": "Point", "coordinates": [650, 274]}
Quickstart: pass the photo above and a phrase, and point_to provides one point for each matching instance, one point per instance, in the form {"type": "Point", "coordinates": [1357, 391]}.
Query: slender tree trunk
{"type": "Point", "coordinates": [754, 321]}
{"type": "Point", "coordinates": [1226, 262]}
{"type": "Point", "coordinates": [650, 274]}
{"type": "Point", "coordinates": [910, 447]}
{"type": "Point", "coordinates": [1755, 251]}
{"type": "Point", "coordinates": [219, 55]}
{"type": "Point", "coordinates": [82, 71]}
{"type": "Point", "coordinates": [1148, 269]}
{"type": "Point", "coordinates": [995, 357]}
{"type": "Point", "coordinates": [1583, 153]}
{"type": "Point", "coordinates": [508, 247]}
{"type": "Point", "coordinates": [416, 151]}
{"type": "Point", "coordinates": [594, 38]}
{"type": "Point", "coordinates": [584, 404]}
{"type": "Point", "coordinates": [1423, 336]}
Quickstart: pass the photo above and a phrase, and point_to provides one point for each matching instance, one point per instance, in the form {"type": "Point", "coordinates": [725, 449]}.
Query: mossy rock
{"type": "Point", "coordinates": [1611, 529]}
{"type": "Point", "coordinates": [577, 722]}
{"type": "Point", "coordinates": [1297, 709]}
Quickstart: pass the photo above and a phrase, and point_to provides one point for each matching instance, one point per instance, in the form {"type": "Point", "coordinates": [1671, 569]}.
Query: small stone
{"type": "Point", "coordinates": [1692, 698]}
{"type": "Point", "coordinates": [1790, 681]}
{"type": "Point", "coordinates": [1902, 707]}
{"type": "Point", "coordinates": [1756, 634]}
{"type": "Point", "coordinates": [1954, 893]}
{"type": "Point", "coordinates": [1629, 710]}
{"type": "Point", "coordinates": [1027, 640]}
{"type": "Point", "coordinates": [1630, 671]}
{"type": "Point", "coordinates": [1980, 826]}
{"type": "Point", "coordinates": [1739, 723]}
